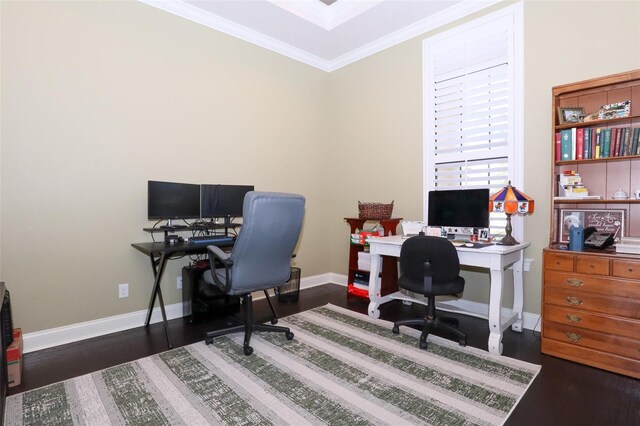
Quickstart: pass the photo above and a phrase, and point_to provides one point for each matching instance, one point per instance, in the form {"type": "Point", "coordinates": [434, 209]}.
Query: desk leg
{"type": "Point", "coordinates": [157, 290]}
{"type": "Point", "coordinates": [374, 286]}
{"type": "Point", "coordinates": [154, 268]}
{"type": "Point", "coordinates": [518, 294]}
{"type": "Point", "coordinates": [495, 306]}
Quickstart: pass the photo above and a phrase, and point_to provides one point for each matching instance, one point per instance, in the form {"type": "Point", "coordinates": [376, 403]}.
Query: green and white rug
{"type": "Point", "coordinates": [341, 368]}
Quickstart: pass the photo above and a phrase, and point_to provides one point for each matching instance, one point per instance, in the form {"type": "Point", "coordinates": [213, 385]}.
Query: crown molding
{"type": "Point", "coordinates": [187, 11]}
{"type": "Point", "coordinates": [425, 25]}
{"type": "Point", "coordinates": [192, 13]}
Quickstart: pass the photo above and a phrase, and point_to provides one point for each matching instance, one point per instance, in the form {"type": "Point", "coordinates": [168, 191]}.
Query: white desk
{"type": "Point", "coordinates": [494, 257]}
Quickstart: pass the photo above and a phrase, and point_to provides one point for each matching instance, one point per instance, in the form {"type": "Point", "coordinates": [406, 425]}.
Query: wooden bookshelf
{"type": "Point", "coordinates": [591, 299]}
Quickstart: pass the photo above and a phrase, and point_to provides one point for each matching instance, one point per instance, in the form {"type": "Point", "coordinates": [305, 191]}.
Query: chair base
{"type": "Point", "coordinates": [248, 326]}
{"type": "Point", "coordinates": [428, 324]}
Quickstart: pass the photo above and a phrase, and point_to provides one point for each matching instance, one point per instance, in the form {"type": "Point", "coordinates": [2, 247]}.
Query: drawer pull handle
{"type": "Point", "coordinates": [575, 282]}
{"type": "Point", "coordinates": [573, 337]}
{"type": "Point", "coordinates": [574, 318]}
{"type": "Point", "coordinates": [574, 300]}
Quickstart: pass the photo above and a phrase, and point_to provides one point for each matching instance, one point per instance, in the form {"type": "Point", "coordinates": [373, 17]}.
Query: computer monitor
{"type": "Point", "coordinates": [463, 208]}
{"type": "Point", "coordinates": [224, 201]}
{"type": "Point", "coordinates": [169, 200]}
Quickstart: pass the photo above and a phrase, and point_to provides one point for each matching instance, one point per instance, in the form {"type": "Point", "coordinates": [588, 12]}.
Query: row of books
{"type": "Point", "coordinates": [585, 143]}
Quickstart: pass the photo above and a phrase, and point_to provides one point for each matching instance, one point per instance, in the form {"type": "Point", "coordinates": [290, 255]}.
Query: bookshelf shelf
{"type": "Point", "coordinates": [595, 201]}
{"type": "Point", "coordinates": [597, 160]}
{"type": "Point", "coordinates": [597, 123]}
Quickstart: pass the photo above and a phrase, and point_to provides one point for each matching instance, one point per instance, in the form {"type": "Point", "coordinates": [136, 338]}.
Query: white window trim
{"type": "Point", "coordinates": [516, 124]}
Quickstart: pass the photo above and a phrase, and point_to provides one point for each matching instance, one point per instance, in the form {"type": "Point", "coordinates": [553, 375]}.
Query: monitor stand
{"type": "Point", "coordinates": [170, 225]}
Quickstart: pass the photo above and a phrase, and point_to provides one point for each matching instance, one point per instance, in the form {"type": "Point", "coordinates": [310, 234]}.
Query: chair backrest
{"type": "Point", "coordinates": [439, 251]}
{"type": "Point", "coordinates": [270, 230]}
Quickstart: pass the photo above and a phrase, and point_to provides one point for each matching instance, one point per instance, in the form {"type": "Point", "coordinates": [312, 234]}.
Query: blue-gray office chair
{"type": "Point", "coordinates": [260, 258]}
{"type": "Point", "coordinates": [430, 266]}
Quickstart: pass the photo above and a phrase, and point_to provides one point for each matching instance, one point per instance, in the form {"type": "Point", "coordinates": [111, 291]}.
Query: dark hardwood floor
{"type": "Point", "coordinates": [564, 393]}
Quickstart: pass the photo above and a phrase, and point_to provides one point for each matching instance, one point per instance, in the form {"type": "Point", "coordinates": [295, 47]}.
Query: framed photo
{"type": "Point", "coordinates": [570, 115]}
{"type": "Point", "coordinates": [602, 220]}
{"type": "Point", "coordinates": [483, 234]}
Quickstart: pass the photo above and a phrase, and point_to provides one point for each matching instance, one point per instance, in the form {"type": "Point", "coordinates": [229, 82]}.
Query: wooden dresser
{"type": "Point", "coordinates": [591, 309]}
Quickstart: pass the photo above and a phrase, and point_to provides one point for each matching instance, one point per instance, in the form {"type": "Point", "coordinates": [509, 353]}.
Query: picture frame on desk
{"type": "Point", "coordinates": [604, 220]}
{"type": "Point", "coordinates": [570, 115]}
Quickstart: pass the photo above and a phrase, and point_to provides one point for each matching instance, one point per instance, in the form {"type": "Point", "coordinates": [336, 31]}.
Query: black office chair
{"type": "Point", "coordinates": [260, 258]}
{"type": "Point", "coordinates": [430, 266]}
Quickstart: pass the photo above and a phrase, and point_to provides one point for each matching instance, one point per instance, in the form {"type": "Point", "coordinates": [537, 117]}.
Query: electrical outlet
{"type": "Point", "coordinates": [123, 291]}
{"type": "Point", "coordinates": [179, 282]}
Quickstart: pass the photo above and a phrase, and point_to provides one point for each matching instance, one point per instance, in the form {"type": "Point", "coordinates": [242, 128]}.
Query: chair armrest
{"type": "Point", "coordinates": [222, 255]}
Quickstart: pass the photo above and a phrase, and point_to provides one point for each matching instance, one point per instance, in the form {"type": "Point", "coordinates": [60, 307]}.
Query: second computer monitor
{"type": "Point", "coordinates": [465, 208]}
{"type": "Point", "coordinates": [224, 201]}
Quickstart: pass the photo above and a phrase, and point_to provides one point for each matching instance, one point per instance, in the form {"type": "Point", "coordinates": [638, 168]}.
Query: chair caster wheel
{"type": "Point", "coordinates": [423, 344]}
{"type": "Point", "coordinates": [248, 350]}
{"type": "Point", "coordinates": [462, 341]}
{"type": "Point", "coordinates": [395, 329]}
{"type": "Point", "coordinates": [208, 340]}
{"type": "Point", "coordinates": [274, 321]}
{"type": "Point", "coordinates": [289, 335]}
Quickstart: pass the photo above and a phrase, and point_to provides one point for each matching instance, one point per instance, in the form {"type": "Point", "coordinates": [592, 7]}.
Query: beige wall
{"type": "Point", "coordinates": [97, 98]}
{"type": "Point", "coordinates": [378, 118]}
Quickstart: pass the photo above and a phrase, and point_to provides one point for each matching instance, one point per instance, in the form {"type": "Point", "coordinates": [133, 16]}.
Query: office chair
{"type": "Point", "coordinates": [260, 258]}
{"type": "Point", "coordinates": [430, 266]}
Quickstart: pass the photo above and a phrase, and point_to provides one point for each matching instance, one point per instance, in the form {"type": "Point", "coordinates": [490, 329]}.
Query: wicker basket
{"type": "Point", "coordinates": [375, 210]}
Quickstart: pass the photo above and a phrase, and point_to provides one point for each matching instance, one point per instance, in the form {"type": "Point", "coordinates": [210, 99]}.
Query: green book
{"type": "Point", "coordinates": [587, 143]}
{"type": "Point", "coordinates": [606, 142]}
{"type": "Point", "coordinates": [634, 141]}
{"type": "Point", "coordinates": [626, 143]}
{"type": "Point", "coordinates": [565, 141]}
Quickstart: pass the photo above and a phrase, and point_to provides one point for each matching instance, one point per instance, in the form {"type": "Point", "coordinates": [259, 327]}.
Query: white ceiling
{"type": "Point", "coordinates": [327, 37]}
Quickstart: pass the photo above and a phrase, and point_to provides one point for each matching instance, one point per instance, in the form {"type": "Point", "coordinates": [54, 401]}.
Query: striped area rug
{"type": "Point", "coordinates": [342, 368]}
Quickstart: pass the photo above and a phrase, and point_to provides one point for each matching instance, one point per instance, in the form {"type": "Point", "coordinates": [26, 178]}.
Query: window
{"type": "Point", "coordinates": [473, 107]}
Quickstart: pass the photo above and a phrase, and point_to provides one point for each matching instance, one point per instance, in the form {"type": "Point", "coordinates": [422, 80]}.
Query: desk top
{"type": "Point", "coordinates": [157, 248]}
{"type": "Point", "coordinates": [397, 240]}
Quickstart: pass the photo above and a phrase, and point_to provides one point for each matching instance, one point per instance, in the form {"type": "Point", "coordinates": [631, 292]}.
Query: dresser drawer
{"type": "Point", "coordinates": [592, 265]}
{"type": "Point", "coordinates": [626, 269]}
{"type": "Point", "coordinates": [593, 357]}
{"type": "Point", "coordinates": [592, 339]}
{"type": "Point", "coordinates": [558, 261]}
{"type": "Point", "coordinates": [596, 284]}
{"type": "Point", "coordinates": [593, 302]}
{"type": "Point", "coordinates": [603, 323]}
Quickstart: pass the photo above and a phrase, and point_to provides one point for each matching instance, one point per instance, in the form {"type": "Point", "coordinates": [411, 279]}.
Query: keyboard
{"type": "Point", "coordinates": [210, 239]}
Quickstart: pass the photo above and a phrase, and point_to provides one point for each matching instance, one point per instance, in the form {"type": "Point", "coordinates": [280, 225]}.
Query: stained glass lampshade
{"type": "Point", "coordinates": [510, 201]}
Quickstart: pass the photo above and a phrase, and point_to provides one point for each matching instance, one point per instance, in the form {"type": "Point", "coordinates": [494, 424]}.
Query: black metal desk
{"type": "Point", "coordinates": [158, 254]}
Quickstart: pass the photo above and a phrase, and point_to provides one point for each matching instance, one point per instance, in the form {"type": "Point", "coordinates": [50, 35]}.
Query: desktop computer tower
{"type": "Point", "coordinates": [201, 300]}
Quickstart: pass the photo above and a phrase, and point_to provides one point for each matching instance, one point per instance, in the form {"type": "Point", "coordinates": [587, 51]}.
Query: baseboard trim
{"type": "Point", "coordinates": [86, 330]}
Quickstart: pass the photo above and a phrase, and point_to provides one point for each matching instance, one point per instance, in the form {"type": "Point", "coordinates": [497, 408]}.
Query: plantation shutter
{"type": "Point", "coordinates": [469, 109]}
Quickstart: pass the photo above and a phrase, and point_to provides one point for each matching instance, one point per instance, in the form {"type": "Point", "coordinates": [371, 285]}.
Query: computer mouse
{"type": "Point", "coordinates": [468, 244]}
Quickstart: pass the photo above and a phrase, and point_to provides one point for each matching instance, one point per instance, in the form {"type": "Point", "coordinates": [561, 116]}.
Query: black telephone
{"type": "Point", "coordinates": [596, 239]}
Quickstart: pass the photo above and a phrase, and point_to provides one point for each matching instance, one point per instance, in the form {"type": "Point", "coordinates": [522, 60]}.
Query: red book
{"type": "Point", "coordinates": [579, 143]}
{"type": "Point", "coordinates": [558, 147]}
{"type": "Point", "coordinates": [593, 143]}
{"type": "Point", "coordinates": [615, 143]}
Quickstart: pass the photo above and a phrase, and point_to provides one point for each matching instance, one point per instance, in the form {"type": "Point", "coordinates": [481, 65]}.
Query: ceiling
{"type": "Point", "coordinates": [326, 34]}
